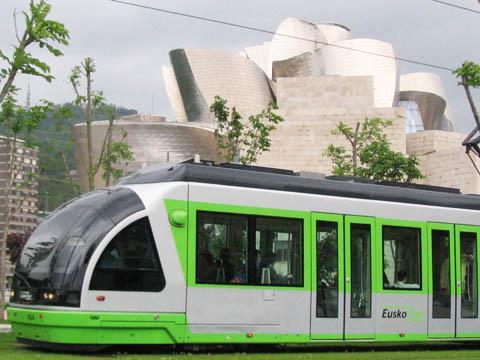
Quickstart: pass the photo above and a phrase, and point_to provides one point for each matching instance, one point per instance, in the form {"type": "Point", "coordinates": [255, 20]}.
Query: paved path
{"type": "Point", "coordinates": [5, 328]}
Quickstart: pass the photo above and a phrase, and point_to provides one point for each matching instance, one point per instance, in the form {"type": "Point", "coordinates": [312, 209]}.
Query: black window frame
{"type": "Point", "coordinates": [251, 234]}
{"type": "Point", "coordinates": [420, 242]}
{"type": "Point", "coordinates": [153, 244]}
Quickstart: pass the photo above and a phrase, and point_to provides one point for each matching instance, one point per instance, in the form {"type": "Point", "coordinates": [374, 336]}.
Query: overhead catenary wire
{"type": "Point", "coordinates": [457, 6]}
{"type": "Point", "coordinates": [265, 31]}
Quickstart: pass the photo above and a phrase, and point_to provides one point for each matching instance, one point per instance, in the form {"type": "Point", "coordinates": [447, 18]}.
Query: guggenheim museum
{"type": "Point", "coordinates": [319, 74]}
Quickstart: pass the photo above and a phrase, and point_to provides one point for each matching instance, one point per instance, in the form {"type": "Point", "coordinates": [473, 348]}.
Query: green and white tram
{"type": "Point", "coordinates": [196, 253]}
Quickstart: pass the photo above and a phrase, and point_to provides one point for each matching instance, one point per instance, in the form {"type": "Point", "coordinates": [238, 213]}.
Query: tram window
{"type": "Point", "coordinates": [327, 269]}
{"type": "Point", "coordinates": [441, 274]}
{"type": "Point", "coordinates": [221, 248]}
{"type": "Point", "coordinates": [360, 269]}
{"type": "Point", "coordinates": [278, 252]}
{"type": "Point", "coordinates": [468, 264]}
{"type": "Point", "coordinates": [130, 262]}
{"type": "Point", "coordinates": [402, 258]}
{"type": "Point", "coordinates": [251, 250]}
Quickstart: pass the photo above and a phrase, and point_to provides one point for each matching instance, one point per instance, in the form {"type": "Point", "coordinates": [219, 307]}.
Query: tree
{"type": "Point", "coordinates": [239, 142]}
{"type": "Point", "coordinates": [17, 122]}
{"type": "Point", "coordinates": [92, 102]}
{"type": "Point", "coordinates": [39, 30]}
{"type": "Point", "coordinates": [116, 151]}
{"type": "Point", "coordinates": [370, 155]}
{"type": "Point", "coordinates": [469, 76]}
{"type": "Point", "coordinates": [54, 139]}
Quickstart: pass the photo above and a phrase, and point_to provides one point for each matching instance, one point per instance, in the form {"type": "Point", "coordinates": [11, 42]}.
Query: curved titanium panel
{"type": "Point", "coordinates": [260, 55]}
{"type": "Point", "coordinates": [431, 107]}
{"type": "Point", "coordinates": [296, 66]}
{"type": "Point", "coordinates": [233, 77]}
{"type": "Point", "coordinates": [337, 61]}
{"type": "Point", "coordinates": [173, 93]}
{"type": "Point", "coordinates": [333, 33]}
{"type": "Point", "coordinates": [196, 108]}
{"type": "Point", "coordinates": [285, 47]}
{"type": "Point", "coordinates": [150, 143]}
{"type": "Point", "coordinates": [428, 91]}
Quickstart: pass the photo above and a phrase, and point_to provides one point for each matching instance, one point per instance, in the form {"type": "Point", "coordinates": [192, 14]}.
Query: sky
{"type": "Point", "coordinates": [130, 45]}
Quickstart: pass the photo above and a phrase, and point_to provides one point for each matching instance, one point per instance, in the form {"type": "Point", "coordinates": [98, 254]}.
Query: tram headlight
{"type": "Point", "coordinates": [49, 296]}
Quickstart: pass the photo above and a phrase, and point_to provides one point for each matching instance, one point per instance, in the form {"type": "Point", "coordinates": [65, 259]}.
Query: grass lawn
{"type": "Point", "coordinates": [10, 349]}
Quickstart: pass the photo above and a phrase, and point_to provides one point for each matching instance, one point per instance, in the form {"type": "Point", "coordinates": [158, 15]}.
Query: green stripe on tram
{"type": "Point", "coordinates": [70, 327]}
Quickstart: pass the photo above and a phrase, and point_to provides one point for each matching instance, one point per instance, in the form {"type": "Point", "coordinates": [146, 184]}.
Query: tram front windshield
{"type": "Point", "coordinates": [52, 265]}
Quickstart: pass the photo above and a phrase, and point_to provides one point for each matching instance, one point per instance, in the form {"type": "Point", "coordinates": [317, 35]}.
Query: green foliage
{"type": "Point", "coordinates": [119, 152]}
{"type": "Point", "coordinates": [238, 142]}
{"type": "Point", "coordinates": [383, 164]}
{"type": "Point", "coordinates": [18, 122]}
{"type": "Point", "coordinates": [53, 137]}
{"type": "Point", "coordinates": [370, 155]}
{"type": "Point", "coordinates": [468, 74]}
{"type": "Point", "coordinates": [341, 159]}
{"type": "Point", "coordinates": [39, 30]}
{"type": "Point", "coordinates": [114, 152]}
{"type": "Point", "coordinates": [91, 102]}
{"type": "Point", "coordinates": [96, 98]}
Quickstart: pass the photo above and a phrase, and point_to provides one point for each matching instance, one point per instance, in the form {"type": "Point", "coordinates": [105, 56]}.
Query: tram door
{"type": "Point", "coordinates": [359, 262]}
{"type": "Point", "coordinates": [342, 301]}
{"type": "Point", "coordinates": [441, 282]}
{"type": "Point", "coordinates": [467, 251]}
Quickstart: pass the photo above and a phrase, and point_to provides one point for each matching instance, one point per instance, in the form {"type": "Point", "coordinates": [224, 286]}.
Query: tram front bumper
{"type": "Point", "coordinates": [82, 327]}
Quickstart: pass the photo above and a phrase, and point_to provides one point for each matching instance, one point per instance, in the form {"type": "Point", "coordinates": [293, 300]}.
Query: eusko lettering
{"type": "Point", "coordinates": [394, 314]}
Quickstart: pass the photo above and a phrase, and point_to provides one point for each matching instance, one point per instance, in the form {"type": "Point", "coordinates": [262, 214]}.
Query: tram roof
{"type": "Point", "coordinates": [309, 183]}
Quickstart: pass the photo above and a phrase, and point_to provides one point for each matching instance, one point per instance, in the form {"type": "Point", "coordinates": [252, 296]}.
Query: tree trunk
{"type": "Point", "coordinates": [88, 120]}
{"type": "Point", "coordinates": [67, 172]}
{"type": "Point", "coordinates": [472, 104]}
{"type": "Point", "coordinates": [355, 149]}
{"type": "Point", "coordinates": [7, 85]}
{"type": "Point", "coordinates": [108, 152]}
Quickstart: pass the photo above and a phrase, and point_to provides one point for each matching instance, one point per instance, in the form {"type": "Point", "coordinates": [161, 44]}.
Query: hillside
{"type": "Point", "coordinates": [52, 137]}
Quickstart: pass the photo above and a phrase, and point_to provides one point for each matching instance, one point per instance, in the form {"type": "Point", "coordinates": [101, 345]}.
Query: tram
{"type": "Point", "coordinates": [197, 253]}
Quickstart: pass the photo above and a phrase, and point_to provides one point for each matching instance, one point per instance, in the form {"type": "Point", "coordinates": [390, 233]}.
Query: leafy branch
{"type": "Point", "coordinates": [239, 142]}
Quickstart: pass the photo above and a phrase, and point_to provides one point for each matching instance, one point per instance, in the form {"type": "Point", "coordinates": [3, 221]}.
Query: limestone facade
{"type": "Point", "coordinates": [312, 107]}
{"type": "Point", "coordinates": [443, 161]}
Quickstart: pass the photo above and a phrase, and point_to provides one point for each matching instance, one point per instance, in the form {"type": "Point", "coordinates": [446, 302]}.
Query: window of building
{"type": "Point", "coordinates": [130, 262]}
{"type": "Point", "coordinates": [238, 249]}
{"type": "Point", "coordinates": [402, 258]}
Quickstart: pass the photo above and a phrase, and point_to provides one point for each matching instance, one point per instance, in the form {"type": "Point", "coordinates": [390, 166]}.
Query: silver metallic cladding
{"type": "Point", "coordinates": [216, 310]}
{"type": "Point", "coordinates": [194, 103]}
